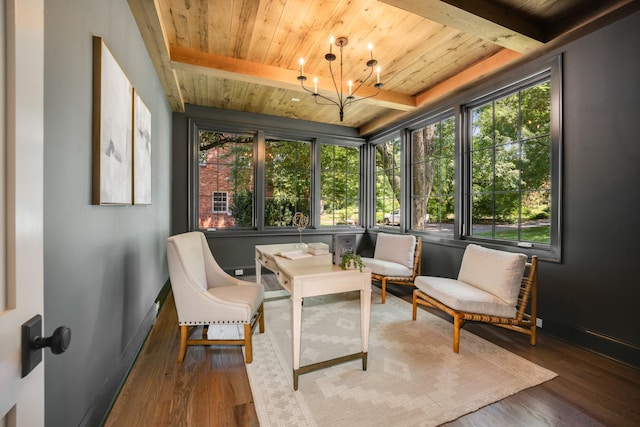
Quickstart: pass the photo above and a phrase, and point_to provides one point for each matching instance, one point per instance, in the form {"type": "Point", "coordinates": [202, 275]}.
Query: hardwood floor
{"type": "Point", "coordinates": [211, 387]}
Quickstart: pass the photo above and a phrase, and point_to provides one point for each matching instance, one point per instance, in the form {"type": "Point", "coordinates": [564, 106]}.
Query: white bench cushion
{"type": "Point", "coordinates": [497, 272]}
{"type": "Point", "coordinates": [461, 296]}
{"type": "Point", "coordinates": [387, 268]}
{"type": "Point", "coordinates": [396, 248]}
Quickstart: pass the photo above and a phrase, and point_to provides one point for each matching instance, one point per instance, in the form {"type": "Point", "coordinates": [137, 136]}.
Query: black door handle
{"type": "Point", "coordinates": [59, 341]}
{"type": "Point", "coordinates": [33, 343]}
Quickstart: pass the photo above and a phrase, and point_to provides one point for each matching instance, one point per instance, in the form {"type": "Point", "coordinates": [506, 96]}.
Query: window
{"type": "Point", "coordinates": [287, 180]}
{"type": "Point", "coordinates": [510, 165]}
{"type": "Point", "coordinates": [225, 179]}
{"type": "Point", "coordinates": [339, 185]}
{"type": "Point", "coordinates": [388, 180]}
{"type": "Point", "coordinates": [433, 176]}
{"type": "Point", "coordinates": [220, 201]}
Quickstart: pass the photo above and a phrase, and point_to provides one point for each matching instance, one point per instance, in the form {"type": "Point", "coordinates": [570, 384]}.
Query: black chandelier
{"type": "Point", "coordinates": [342, 101]}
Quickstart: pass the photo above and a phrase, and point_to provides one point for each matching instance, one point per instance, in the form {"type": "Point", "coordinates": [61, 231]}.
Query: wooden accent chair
{"type": "Point", "coordinates": [205, 294]}
{"type": "Point", "coordinates": [397, 259]}
{"type": "Point", "coordinates": [493, 286]}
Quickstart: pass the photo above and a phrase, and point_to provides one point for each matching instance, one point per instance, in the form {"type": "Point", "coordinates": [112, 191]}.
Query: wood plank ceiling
{"type": "Point", "coordinates": [244, 54]}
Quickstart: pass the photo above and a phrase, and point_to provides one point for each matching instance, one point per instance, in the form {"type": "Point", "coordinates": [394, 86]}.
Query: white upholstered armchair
{"type": "Point", "coordinates": [397, 259]}
{"type": "Point", "coordinates": [205, 294]}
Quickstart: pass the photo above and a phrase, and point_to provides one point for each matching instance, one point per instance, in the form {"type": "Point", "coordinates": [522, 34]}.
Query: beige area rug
{"type": "Point", "coordinates": [413, 378]}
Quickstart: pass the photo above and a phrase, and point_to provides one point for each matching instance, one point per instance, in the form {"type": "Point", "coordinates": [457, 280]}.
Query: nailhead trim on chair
{"type": "Point", "coordinates": [213, 323]}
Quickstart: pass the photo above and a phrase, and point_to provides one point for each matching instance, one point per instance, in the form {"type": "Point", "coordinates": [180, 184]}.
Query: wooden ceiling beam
{"type": "Point", "coordinates": [184, 59]}
{"type": "Point", "coordinates": [470, 75]}
{"type": "Point", "coordinates": [483, 18]}
{"type": "Point", "coordinates": [463, 79]}
{"type": "Point", "coordinates": [147, 16]}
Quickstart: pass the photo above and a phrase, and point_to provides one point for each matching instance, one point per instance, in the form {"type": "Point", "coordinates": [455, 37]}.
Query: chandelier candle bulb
{"type": "Point", "coordinates": [378, 74]}
{"type": "Point", "coordinates": [371, 50]}
{"type": "Point", "coordinates": [315, 84]}
{"type": "Point", "coordinates": [301, 66]}
{"type": "Point", "coordinates": [349, 84]}
{"type": "Point", "coordinates": [331, 40]}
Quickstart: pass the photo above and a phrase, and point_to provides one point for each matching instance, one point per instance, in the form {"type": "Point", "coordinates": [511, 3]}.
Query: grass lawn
{"type": "Point", "coordinates": [537, 234]}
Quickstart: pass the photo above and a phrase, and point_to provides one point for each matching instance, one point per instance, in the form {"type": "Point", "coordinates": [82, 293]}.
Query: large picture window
{"type": "Point", "coordinates": [510, 165]}
{"type": "Point", "coordinates": [225, 179]}
{"type": "Point", "coordinates": [387, 181]}
{"type": "Point", "coordinates": [433, 176]}
{"type": "Point", "coordinates": [339, 185]}
{"type": "Point", "coordinates": [287, 180]}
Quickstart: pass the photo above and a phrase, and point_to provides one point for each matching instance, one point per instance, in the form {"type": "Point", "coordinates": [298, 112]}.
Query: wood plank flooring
{"type": "Point", "coordinates": [211, 387]}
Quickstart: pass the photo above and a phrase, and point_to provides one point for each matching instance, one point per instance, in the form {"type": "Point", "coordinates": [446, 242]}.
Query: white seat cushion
{"type": "Point", "coordinates": [497, 272]}
{"type": "Point", "coordinates": [396, 248]}
{"type": "Point", "coordinates": [387, 268]}
{"type": "Point", "coordinates": [461, 296]}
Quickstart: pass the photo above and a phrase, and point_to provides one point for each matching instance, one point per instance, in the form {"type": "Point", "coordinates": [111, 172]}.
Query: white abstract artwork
{"type": "Point", "coordinates": [141, 152]}
{"type": "Point", "coordinates": [112, 181]}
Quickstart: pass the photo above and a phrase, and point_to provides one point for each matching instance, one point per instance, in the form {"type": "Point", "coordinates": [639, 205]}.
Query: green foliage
{"type": "Point", "coordinates": [242, 208]}
{"type": "Point", "coordinates": [351, 258]}
{"type": "Point", "coordinates": [510, 154]}
{"type": "Point", "coordinates": [279, 212]}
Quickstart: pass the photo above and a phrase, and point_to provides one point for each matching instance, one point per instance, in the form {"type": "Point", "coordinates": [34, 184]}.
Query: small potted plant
{"type": "Point", "coordinates": [351, 261]}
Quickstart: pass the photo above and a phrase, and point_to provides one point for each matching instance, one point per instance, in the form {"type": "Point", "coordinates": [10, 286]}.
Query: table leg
{"type": "Point", "coordinates": [258, 271]}
{"type": "Point", "coordinates": [365, 311]}
{"type": "Point", "coordinates": [296, 320]}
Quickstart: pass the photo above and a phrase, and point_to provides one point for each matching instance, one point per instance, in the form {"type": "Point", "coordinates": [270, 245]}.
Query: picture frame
{"type": "Point", "coordinates": [112, 129]}
{"type": "Point", "coordinates": [141, 151]}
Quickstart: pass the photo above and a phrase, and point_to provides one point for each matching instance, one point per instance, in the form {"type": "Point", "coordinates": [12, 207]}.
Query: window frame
{"type": "Point", "coordinates": [401, 137]}
{"type": "Point", "coordinates": [436, 118]}
{"type": "Point", "coordinates": [196, 125]}
{"type": "Point", "coordinates": [492, 87]}
{"type": "Point", "coordinates": [550, 70]}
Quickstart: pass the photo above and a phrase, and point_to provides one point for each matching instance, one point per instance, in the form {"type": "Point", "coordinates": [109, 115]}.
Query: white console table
{"type": "Point", "coordinates": [312, 276]}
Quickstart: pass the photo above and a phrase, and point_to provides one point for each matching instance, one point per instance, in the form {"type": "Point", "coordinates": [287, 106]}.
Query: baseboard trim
{"type": "Point", "coordinates": [97, 413]}
{"type": "Point", "coordinates": [598, 343]}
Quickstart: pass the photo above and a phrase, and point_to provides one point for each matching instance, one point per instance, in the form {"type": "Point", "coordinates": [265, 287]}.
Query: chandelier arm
{"type": "Point", "coordinates": [366, 97]}
{"type": "Point", "coordinates": [303, 87]}
{"type": "Point", "coordinates": [317, 95]}
{"type": "Point", "coordinates": [362, 81]}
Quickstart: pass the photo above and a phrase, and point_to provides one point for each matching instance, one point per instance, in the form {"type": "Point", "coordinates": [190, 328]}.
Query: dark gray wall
{"type": "Point", "coordinates": [590, 297]}
{"type": "Point", "coordinates": [104, 265]}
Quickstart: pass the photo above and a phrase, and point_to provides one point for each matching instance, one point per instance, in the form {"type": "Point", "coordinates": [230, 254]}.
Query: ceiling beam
{"type": "Point", "coordinates": [184, 59]}
{"type": "Point", "coordinates": [147, 16]}
{"type": "Point", "coordinates": [470, 75]}
{"type": "Point", "coordinates": [483, 18]}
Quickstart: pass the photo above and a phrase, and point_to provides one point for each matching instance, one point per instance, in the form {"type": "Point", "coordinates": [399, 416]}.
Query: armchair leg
{"type": "Point", "coordinates": [261, 321]}
{"type": "Point", "coordinates": [384, 289]}
{"type": "Point", "coordinates": [532, 338]}
{"type": "Point", "coordinates": [456, 334]}
{"type": "Point", "coordinates": [415, 305]}
{"type": "Point", "coordinates": [183, 342]}
{"type": "Point", "coordinates": [248, 345]}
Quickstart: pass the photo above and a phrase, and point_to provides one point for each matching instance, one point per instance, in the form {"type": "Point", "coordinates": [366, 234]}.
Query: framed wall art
{"type": "Point", "coordinates": [141, 151]}
{"type": "Point", "coordinates": [112, 133]}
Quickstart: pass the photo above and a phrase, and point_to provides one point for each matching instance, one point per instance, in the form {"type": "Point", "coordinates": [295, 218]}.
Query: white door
{"type": "Point", "coordinates": [21, 204]}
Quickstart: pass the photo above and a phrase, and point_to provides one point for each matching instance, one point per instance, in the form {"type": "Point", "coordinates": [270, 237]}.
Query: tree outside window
{"type": "Point", "coordinates": [339, 185]}
{"type": "Point", "coordinates": [287, 180]}
{"type": "Point", "coordinates": [433, 178]}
